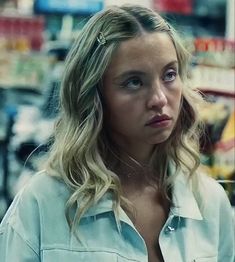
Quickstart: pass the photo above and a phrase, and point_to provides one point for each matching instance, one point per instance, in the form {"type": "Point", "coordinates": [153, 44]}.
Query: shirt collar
{"type": "Point", "coordinates": [105, 204]}
{"type": "Point", "coordinates": [185, 204]}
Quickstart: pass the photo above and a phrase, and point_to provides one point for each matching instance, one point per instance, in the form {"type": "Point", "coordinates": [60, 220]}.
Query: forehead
{"type": "Point", "coordinates": [148, 50]}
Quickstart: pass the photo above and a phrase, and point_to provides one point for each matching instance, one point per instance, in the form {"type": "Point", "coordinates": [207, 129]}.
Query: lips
{"type": "Point", "coordinates": [158, 119]}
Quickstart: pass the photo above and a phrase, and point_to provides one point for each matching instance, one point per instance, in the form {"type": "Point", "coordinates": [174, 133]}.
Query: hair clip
{"type": "Point", "coordinates": [169, 27]}
{"type": "Point", "coordinates": [101, 39]}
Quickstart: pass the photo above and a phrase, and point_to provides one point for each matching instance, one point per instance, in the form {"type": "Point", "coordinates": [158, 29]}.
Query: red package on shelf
{"type": "Point", "coordinates": [174, 6]}
{"type": "Point", "coordinates": [22, 33]}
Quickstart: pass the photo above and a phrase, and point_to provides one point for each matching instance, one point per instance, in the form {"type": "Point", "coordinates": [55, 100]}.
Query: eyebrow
{"type": "Point", "coordinates": [138, 72]}
{"type": "Point", "coordinates": [172, 63]}
{"type": "Point", "coordinates": [128, 73]}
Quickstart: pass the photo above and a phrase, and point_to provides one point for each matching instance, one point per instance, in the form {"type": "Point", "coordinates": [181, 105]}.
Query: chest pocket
{"type": "Point", "coordinates": [63, 255]}
{"type": "Point", "coordinates": [206, 259]}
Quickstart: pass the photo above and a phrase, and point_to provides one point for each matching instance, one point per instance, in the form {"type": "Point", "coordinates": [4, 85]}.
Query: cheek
{"type": "Point", "coordinates": [178, 98]}
{"type": "Point", "coordinates": [175, 96]}
{"type": "Point", "coordinates": [120, 105]}
{"type": "Point", "coordinates": [120, 113]}
{"type": "Point", "coordinates": [178, 94]}
{"type": "Point", "coordinates": [123, 115]}
{"type": "Point", "coordinates": [115, 112]}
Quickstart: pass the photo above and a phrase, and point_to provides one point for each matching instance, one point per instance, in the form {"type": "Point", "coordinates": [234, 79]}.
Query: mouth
{"type": "Point", "coordinates": [158, 120]}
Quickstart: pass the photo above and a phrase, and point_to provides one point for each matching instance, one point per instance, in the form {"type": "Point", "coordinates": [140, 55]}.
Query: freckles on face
{"type": "Point", "coordinates": [142, 84]}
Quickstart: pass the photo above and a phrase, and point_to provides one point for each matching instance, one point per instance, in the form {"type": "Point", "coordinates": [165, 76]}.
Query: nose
{"type": "Point", "coordinates": [157, 98]}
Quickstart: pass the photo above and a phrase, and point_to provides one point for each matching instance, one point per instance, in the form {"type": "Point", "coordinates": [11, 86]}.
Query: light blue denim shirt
{"type": "Point", "coordinates": [35, 229]}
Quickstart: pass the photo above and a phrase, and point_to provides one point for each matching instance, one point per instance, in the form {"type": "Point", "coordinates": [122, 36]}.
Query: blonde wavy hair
{"type": "Point", "coordinates": [80, 147]}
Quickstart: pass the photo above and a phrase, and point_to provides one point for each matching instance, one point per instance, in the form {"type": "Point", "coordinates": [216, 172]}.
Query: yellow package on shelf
{"type": "Point", "coordinates": [224, 155]}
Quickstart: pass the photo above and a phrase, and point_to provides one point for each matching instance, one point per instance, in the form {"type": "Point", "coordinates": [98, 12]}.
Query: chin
{"type": "Point", "coordinates": [160, 139]}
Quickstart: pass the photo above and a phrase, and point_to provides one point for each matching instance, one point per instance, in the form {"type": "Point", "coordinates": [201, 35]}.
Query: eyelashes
{"type": "Point", "coordinates": [136, 82]}
{"type": "Point", "coordinates": [133, 83]}
{"type": "Point", "coordinates": [170, 75]}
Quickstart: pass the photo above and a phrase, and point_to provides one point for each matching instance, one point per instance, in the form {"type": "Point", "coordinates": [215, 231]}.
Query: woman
{"type": "Point", "coordinates": [122, 181]}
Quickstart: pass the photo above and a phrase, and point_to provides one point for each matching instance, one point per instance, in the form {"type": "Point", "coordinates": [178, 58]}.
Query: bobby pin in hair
{"type": "Point", "coordinates": [101, 39]}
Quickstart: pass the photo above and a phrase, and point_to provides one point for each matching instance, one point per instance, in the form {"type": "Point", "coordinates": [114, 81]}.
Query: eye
{"type": "Point", "coordinates": [170, 75]}
{"type": "Point", "coordinates": [132, 83]}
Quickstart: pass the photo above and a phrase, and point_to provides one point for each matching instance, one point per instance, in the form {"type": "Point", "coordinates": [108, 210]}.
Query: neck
{"type": "Point", "coordinates": [132, 161]}
{"type": "Point", "coordinates": [130, 170]}
{"type": "Point", "coordinates": [131, 151]}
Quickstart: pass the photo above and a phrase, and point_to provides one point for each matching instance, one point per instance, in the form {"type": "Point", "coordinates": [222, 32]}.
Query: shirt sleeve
{"type": "Point", "coordinates": [14, 248]}
{"type": "Point", "coordinates": [19, 230]}
{"type": "Point", "coordinates": [227, 231]}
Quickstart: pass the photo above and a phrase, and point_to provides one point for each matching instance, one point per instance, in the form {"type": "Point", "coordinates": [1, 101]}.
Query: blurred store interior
{"type": "Point", "coordinates": [35, 36]}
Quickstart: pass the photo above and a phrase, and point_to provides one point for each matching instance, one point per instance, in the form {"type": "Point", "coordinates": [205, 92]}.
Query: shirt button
{"type": "Point", "coordinates": [169, 229]}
